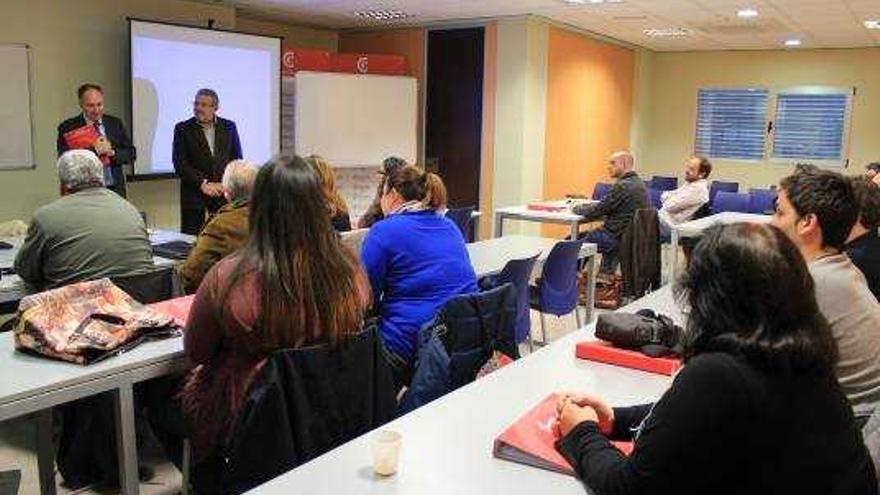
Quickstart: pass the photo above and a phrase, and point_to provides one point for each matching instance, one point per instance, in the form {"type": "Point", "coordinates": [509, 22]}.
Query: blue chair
{"type": "Point", "coordinates": [517, 273]}
{"type": "Point", "coordinates": [600, 191]}
{"type": "Point", "coordinates": [556, 292]}
{"type": "Point", "coordinates": [655, 194]}
{"type": "Point", "coordinates": [730, 201]}
{"type": "Point", "coordinates": [718, 185]}
{"type": "Point", "coordinates": [762, 201]}
{"type": "Point", "coordinates": [663, 183]}
{"type": "Point", "coordinates": [464, 219]}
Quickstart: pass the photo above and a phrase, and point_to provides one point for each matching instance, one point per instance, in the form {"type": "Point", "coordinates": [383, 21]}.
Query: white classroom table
{"type": "Point", "coordinates": [490, 256]}
{"type": "Point", "coordinates": [447, 444]}
{"type": "Point", "coordinates": [695, 228]}
{"type": "Point", "coordinates": [33, 384]}
{"type": "Point", "coordinates": [13, 288]}
{"type": "Point", "coordinates": [564, 217]}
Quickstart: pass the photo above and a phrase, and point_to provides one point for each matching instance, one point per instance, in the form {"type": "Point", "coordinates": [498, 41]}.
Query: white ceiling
{"type": "Point", "coordinates": [713, 24]}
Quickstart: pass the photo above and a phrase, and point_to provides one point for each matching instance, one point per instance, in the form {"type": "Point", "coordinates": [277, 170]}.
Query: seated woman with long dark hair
{"type": "Point", "coordinates": [756, 409]}
{"type": "Point", "coordinates": [292, 285]}
{"type": "Point", "coordinates": [416, 260]}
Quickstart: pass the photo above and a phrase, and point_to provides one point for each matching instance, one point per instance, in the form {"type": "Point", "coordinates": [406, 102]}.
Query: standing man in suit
{"type": "Point", "coordinates": [113, 147]}
{"type": "Point", "coordinates": [203, 145]}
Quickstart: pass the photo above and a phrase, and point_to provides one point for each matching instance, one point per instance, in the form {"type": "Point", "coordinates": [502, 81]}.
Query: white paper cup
{"type": "Point", "coordinates": [386, 452]}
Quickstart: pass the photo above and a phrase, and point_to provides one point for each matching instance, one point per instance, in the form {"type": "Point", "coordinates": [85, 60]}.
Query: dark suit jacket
{"type": "Point", "coordinates": [194, 162]}
{"type": "Point", "coordinates": [115, 132]}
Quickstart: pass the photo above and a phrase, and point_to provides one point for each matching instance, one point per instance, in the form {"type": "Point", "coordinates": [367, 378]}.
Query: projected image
{"type": "Point", "coordinates": [170, 63]}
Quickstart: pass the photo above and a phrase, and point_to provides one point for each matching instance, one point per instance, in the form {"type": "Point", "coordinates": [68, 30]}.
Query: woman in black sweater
{"type": "Point", "coordinates": [756, 409]}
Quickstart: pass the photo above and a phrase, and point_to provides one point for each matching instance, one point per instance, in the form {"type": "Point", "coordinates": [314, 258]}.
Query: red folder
{"type": "Point", "coordinates": [177, 308]}
{"type": "Point", "coordinates": [545, 207]}
{"type": "Point", "coordinates": [82, 138]}
{"type": "Point", "coordinates": [604, 352]}
{"type": "Point", "coordinates": [532, 440]}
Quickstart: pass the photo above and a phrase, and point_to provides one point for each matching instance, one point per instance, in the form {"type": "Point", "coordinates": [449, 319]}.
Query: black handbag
{"type": "Point", "coordinates": [653, 334]}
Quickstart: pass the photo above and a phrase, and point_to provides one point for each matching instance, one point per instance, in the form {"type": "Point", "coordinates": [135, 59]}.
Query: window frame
{"type": "Point", "coordinates": [843, 161]}
{"type": "Point", "coordinates": [696, 120]}
{"type": "Point", "coordinates": [771, 118]}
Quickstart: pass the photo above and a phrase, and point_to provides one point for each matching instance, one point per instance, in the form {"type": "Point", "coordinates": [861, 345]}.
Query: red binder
{"type": "Point", "coordinates": [604, 352]}
{"type": "Point", "coordinates": [532, 440]}
{"type": "Point", "coordinates": [177, 308]}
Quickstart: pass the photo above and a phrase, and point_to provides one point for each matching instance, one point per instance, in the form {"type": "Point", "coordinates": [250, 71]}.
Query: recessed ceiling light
{"type": "Point", "coordinates": [747, 13]}
{"type": "Point", "coordinates": [872, 24]}
{"type": "Point", "coordinates": [666, 32]}
{"type": "Point", "coordinates": [793, 42]}
{"type": "Point", "coordinates": [382, 15]}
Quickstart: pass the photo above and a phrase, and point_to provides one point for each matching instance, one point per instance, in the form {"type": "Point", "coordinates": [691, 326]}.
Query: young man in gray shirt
{"type": "Point", "coordinates": [817, 210]}
{"type": "Point", "coordinates": [88, 233]}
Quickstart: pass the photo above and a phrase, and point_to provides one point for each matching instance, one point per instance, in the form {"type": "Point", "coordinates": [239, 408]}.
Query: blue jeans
{"type": "Point", "coordinates": [607, 246]}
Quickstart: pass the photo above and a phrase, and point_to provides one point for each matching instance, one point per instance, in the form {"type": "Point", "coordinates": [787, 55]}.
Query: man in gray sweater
{"type": "Point", "coordinates": [817, 210]}
{"type": "Point", "coordinates": [88, 233]}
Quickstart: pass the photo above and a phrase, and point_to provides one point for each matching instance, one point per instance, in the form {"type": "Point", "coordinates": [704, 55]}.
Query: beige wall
{"type": "Point", "coordinates": [74, 42]}
{"type": "Point", "coordinates": [642, 105]}
{"type": "Point", "coordinates": [294, 36]}
{"type": "Point", "coordinates": [86, 40]}
{"type": "Point", "coordinates": [520, 113]}
{"type": "Point", "coordinates": [676, 77]}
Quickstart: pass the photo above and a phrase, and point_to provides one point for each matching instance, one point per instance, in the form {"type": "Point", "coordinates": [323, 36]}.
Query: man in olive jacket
{"type": "Point", "coordinates": [226, 231]}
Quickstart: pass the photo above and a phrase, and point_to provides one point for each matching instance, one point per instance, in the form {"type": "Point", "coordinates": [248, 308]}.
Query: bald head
{"type": "Point", "coordinates": [620, 163]}
{"type": "Point", "coordinates": [238, 180]}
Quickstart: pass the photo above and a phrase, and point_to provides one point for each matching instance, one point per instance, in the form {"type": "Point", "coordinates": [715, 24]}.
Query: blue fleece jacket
{"type": "Point", "coordinates": [416, 262]}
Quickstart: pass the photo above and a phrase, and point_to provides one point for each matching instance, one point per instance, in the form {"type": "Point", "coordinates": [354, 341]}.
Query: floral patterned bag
{"type": "Point", "coordinates": [87, 322]}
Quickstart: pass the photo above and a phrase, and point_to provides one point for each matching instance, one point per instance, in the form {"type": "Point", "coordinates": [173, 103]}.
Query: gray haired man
{"type": "Point", "coordinates": [202, 147]}
{"type": "Point", "coordinates": [88, 233]}
{"type": "Point", "coordinates": [227, 231]}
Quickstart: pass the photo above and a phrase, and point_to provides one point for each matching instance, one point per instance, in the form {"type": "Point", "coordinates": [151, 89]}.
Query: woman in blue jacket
{"type": "Point", "coordinates": [416, 260]}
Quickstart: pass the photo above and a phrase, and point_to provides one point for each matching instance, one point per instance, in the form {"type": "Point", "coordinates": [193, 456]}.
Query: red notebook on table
{"type": "Point", "coordinates": [545, 207]}
{"type": "Point", "coordinates": [177, 308]}
{"type": "Point", "coordinates": [604, 352]}
{"type": "Point", "coordinates": [532, 440]}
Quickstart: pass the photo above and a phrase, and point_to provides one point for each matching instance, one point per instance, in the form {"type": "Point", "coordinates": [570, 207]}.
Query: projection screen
{"type": "Point", "coordinates": [169, 63]}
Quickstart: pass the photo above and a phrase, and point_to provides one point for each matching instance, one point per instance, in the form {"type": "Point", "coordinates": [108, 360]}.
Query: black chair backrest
{"type": "Point", "coordinates": [156, 285]}
{"type": "Point", "coordinates": [305, 402]}
{"type": "Point", "coordinates": [476, 325]}
{"type": "Point", "coordinates": [463, 217]}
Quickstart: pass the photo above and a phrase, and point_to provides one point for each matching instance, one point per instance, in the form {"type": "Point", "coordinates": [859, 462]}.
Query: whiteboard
{"type": "Point", "coordinates": [16, 148]}
{"type": "Point", "coordinates": [355, 120]}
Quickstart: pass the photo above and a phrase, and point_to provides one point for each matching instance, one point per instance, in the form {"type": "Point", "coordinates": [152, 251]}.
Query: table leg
{"type": "Point", "coordinates": [126, 439]}
{"type": "Point", "coordinates": [499, 221]}
{"type": "Point", "coordinates": [590, 288]}
{"type": "Point", "coordinates": [45, 451]}
{"type": "Point", "coordinates": [574, 230]}
{"type": "Point", "coordinates": [674, 243]}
